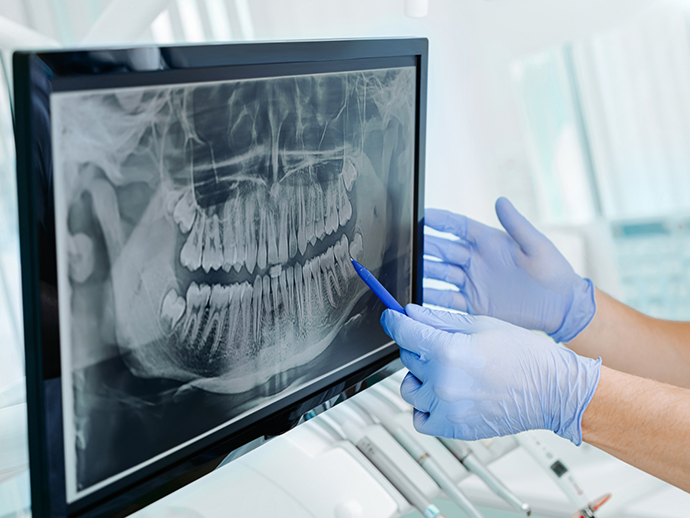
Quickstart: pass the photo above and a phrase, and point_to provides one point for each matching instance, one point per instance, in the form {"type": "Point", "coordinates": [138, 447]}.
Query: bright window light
{"type": "Point", "coordinates": [161, 28]}
{"type": "Point", "coordinates": [220, 22]}
{"type": "Point", "coordinates": [245, 17]}
{"type": "Point", "coordinates": [191, 20]}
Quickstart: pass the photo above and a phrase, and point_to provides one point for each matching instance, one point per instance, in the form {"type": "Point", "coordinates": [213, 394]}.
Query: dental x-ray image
{"type": "Point", "coordinates": [204, 239]}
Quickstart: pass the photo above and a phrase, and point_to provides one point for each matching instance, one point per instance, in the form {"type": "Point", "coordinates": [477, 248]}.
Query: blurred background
{"type": "Point", "coordinates": [576, 110]}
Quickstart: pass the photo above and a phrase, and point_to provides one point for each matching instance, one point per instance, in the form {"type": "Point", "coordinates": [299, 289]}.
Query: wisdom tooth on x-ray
{"type": "Point", "coordinates": [226, 214]}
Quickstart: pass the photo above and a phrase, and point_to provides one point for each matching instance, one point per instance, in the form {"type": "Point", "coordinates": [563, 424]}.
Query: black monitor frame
{"type": "Point", "coordinates": [36, 75]}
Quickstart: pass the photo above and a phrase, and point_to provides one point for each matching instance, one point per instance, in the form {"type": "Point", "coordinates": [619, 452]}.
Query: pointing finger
{"type": "Point", "coordinates": [411, 335]}
{"type": "Point", "coordinates": [445, 320]}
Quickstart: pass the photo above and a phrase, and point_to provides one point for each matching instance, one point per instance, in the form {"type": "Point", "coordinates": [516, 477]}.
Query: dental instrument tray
{"type": "Point", "coordinates": [187, 217]}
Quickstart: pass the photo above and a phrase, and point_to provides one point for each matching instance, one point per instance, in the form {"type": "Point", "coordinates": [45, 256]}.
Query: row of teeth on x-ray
{"type": "Point", "coordinates": [243, 233]}
{"type": "Point", "coordinates": [211, 314]}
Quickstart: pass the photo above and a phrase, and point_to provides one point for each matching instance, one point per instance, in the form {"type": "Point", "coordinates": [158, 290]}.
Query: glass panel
{"type": "Point", "coordinates": [14, 474]}
{"type": "Point", "coordinates": [635, 85]}
{"type": "Point", "coordinates": [554, 139]}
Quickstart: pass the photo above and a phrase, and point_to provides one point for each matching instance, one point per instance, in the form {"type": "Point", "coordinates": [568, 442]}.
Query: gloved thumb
{"type": "Point", "coordinates": [411, 335]}
{"type": "Point", "coordinates": [521, 230]}
{"type": "Point", "coordinates": [443, 320]}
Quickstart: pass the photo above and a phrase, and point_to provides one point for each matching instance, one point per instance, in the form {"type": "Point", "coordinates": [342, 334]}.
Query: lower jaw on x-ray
{"type": "Point", "coordinates": [207, 231]}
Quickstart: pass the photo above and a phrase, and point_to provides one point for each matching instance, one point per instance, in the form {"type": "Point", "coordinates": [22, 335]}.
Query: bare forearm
{"type": "Point", "coordinates": [642, 422]}
{"type": "Point", "coordinates": [631, 342]}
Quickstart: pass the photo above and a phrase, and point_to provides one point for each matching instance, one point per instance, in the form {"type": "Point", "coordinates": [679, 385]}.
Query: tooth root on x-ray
{"type": "Point", "coordinates": [272, 238]}
{"type": "Point", "coordinates": [251, 209]}
{"type": "Point", "coordinates": [213, 333]}
{"type": "Point", "coordinates": [309, 205]}
{"type": "Point", "coordinates": [229, 237]}
{"type": "Point", "coordinates": [299, 292]}
{"type": "Point", "coordinates": [267, 317]}
{"type": "Point", "coordinates": [317, 285]}
{"type": "Point", "coordinates": [301, 221]}
{"type": "Point", "coordinates": [292, 233]}
{"type": "Point", "coordinates": [356, 246]}
{"type": "Point", "coordinates": [172, 309]}
{"type": "Point", "coordinates": [286, 291]}
{"type": "Point", "coordinates": [185, 211]}
{"type": "Point", "coordinates": [261, 254]}
{"type": "Point", "coordinates": [212, 258]}
{"type": "Point", "coordinates": [344, 205]}
{"type": "Point", "coordinates": [246, 314]}
{"type": "Point", "coordinates": [256, 307]}
{"type": "Point", "coordinates": [277, 300]}
{"type": "Point", "coordinates": [307, 286]}
{"type": "Point", "coordinates": [283, 254]}
{"type": "Point", "coordinates": [190, 255]}
{"type": "Point", "coordinates": [319, 214]}
{"type": "Point", "coordinates": [332, 210]}
{"type": "Point", "coordinates": [348, 174]}
{"type": "Point", "coordinates": [327, 265]}
{"type": "Point", "coordinates": [197, 297]}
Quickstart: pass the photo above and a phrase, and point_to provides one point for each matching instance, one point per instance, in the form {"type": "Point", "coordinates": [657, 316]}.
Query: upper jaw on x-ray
{"type": "Point", "coordinates": [229, 213]}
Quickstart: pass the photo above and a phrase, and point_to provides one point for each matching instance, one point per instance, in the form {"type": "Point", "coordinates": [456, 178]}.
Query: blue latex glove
{"type": "Point", "coordinates": [477, 377]}
{"type": "Point", "coordinates": [518, 276]}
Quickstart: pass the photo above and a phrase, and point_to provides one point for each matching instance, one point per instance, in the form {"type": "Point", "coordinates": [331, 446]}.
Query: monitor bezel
{"type": "Point", "coordinates": [62, 68]}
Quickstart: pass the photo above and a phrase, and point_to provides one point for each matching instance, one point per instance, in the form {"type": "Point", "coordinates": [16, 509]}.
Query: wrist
{"type": "Point", "coordinates": [575, 396]}
{"type": "Point", "coordinates": [580, 312]}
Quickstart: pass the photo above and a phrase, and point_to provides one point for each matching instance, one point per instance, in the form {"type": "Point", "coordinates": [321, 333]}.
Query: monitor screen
{"type": "Point", "coordinates": [188, 218]}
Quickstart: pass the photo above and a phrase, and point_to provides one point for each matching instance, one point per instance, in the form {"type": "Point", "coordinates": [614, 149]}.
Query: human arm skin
{"type": "Point", "coordinates": [637, 344]}
{"type": "Point", "coordinates": [642, 422]}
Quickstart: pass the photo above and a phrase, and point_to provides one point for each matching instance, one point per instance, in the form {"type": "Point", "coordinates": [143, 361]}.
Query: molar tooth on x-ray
{"type": "Point", "coordinates": [228, 214]}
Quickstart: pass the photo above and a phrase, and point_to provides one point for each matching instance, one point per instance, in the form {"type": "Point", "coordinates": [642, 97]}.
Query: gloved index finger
{"type": "Point", "coordinates": [411, 335]}
{"type": "Point", "coordinates": [446, 221]}
{"type": "Point", "coordinates": [444, 320]}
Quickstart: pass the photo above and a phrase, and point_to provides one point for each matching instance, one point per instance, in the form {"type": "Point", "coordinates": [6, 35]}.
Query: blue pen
{"type": "Point", "coordinates": [377, 287]}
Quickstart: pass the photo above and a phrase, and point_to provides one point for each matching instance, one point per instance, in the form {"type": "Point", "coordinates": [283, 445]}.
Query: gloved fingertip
{"type": "Point", "coordinates": [504, 206]}
{"type": "Point", "coordinates": [419, 419]}
{"type": "Point", "coordinates": [413, 309]}
{"type": "Point", "coordinates": [389, 314]}
{"type": "Point", "coordinates": [387, 317]}
{"type": "Point", "coordinates": [501, 200]}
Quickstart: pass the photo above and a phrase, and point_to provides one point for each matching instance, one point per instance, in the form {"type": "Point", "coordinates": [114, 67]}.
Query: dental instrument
{"type": "Point", "coordinates": [378, 289]}
{"type": "Point", "coordinates": [380, 460]}
{"type": "Point", "coordinates": [467, 458]}
{"type": "Point", "coordinates": [555, 467]}
{"type": "Point", "coordinates": [368, 403]}
{"type": "Point", "coordinates": [459, 449]}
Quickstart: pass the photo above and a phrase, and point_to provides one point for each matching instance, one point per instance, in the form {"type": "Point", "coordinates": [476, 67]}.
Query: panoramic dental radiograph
{"type": "Point", "coordinates": [204, 233]}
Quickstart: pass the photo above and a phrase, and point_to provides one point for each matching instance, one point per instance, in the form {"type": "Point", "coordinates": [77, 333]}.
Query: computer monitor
{"type": "Point", "coordinates": [187, 217]}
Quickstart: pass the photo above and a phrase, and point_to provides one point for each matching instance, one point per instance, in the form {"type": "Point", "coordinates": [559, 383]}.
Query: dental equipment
{"type": "Point", "coordinates": [459, 450]}
{"type": "Point", "coordinates": [467, 458]}
{"type": "Point", "coordinates": [378, 289]}
{"type": "Point", "coordinates": [382, 463]}
{"type": "Point", "coordinates": [368, 403]}
{"type": "Point", "coordinates": [554, 467]}
{"type": "Point", "coordinates": [589, 510]}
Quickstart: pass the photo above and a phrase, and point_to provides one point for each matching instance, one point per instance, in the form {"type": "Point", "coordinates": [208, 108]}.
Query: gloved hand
{"type": "Point", "coordinates": [518, 276]}
{"type": "Point", "coordinates": [478, 377]}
